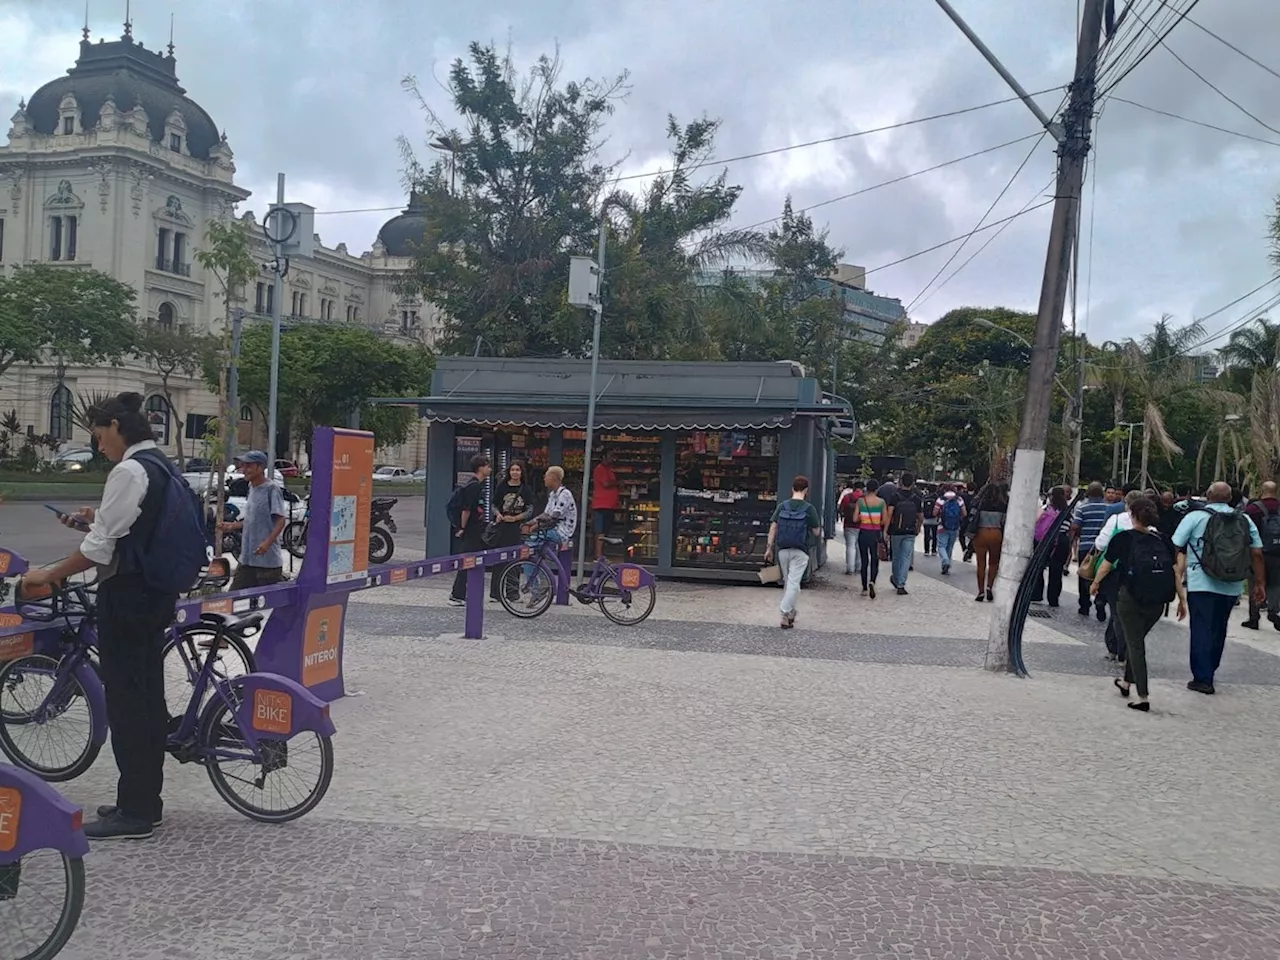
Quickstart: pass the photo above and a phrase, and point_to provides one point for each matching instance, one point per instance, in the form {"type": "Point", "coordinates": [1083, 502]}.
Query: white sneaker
{"type": "Point", "coordinates": [455, 602]}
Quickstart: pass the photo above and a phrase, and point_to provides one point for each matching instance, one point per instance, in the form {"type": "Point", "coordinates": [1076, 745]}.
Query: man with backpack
{"type": "Point", "coordinates": [467, 519]}
{"type": "Point", "coordinates": [793, 528]}
{"type": "Point", "coordinates": [1265, 514]}
{"type": "Point", "coordinates": [148, 541]}
{"type": "Point", "coordinates": [951, 514]}
{"type": "Point", "coordinates": [906, 515]}
{"type": "Point", "coordinates": [1219, 547]}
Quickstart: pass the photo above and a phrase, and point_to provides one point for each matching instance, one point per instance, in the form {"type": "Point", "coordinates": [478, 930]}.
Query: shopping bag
{"type": "Point", "coordinates": [1088, 566]}
{"type": "Point", "coordinates": [771, 574]}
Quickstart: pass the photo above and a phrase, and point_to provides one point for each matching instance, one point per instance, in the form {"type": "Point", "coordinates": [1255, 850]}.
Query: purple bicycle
{"type": "Point", "coordinates": [263, 739]}
{"type": "Point", "coordinates": [42, 848]}
{"type": "Point", "coordinates": [625, 592]}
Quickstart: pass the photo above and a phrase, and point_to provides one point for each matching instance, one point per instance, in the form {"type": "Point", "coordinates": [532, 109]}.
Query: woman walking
{"type": "Point", "coordinates": [869, 517]}
{"type": "Point", "coordinates": [512, 506]}
{"type": "Point", "coordinates": [1060, 553]}
{"type": "Point", "coordinates": [988, 537]}
{"type": "Point", "coordinates": [1145, 558]}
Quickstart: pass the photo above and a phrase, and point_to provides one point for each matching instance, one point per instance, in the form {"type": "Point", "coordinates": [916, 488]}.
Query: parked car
{"type": "Point", "coordinates": [287, 468]}
{"type": "Point", "coordinates": [392, 475]}
{"type": "Point", "coordinates": [420, 475]}
{"type": "Point", "coordinates": [238, 497]}
{"type": "Point", "coordinates": [73, 461]}
{"type": "Point", "coordinates": [199, 465]}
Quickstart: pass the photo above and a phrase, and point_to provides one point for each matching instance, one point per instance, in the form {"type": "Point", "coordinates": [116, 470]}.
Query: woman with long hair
{"type": "Point", "coordinates": [1055, 566]}
{"type": "Point", "coordinates": [869, 517]}
{"type": "Point", "coordinates": [512, 506]}
{"type": "Point", "coordinates": [988, 537]}
{"type": "Point", "coordinates": [1145, 558]}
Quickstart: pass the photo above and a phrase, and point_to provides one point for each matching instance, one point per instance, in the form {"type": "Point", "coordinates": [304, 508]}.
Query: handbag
{"type": "Point", "coordinates": [882, 551]}
{"type": "Point", "coordinates": [489, 535]}
{"type": "Point", "coordinates": [1088, 566]}
{"type": "Point", "coordinates": [771, 574]}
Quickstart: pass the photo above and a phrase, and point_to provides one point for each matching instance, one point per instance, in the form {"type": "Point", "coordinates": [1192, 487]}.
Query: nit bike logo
{"type": "Point", "coordinates": [10, 815]}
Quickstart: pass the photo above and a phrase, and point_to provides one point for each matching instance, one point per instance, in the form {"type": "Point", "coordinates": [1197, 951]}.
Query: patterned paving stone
{"type": "Point", "coordinates": [344, 891]}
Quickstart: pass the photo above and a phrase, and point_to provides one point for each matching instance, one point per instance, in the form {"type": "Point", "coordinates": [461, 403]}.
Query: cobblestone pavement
{"type": "Point", "coordinates": [707, 786]}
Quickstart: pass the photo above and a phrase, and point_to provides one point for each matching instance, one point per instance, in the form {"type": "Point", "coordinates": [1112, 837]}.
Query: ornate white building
{"type": "Point", "coordinates": [112, 167]}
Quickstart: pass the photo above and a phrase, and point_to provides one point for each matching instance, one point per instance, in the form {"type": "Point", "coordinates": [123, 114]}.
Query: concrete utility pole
{"type": "Point", "coordinates": [233, 384]}
{"type": "Point", "coordinates": [584, 511]}
{"type": "Point", "coordinates": [277, 308]}
{"type": "Point", "coordinates": [1028, 465]}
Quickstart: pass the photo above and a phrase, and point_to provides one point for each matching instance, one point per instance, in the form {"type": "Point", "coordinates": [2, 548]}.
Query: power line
{"type": "Point", "coordinates": [981, 220]}
{"type": "Point", "coordinates": [1227, 43]}
{"type": "Point", "coordinates": [770, 152]}
{"type": "Point", "coordinates": [1159, 40]}
{"type": "Point", "coordinates": [1206, 81]}
{"type": "Point", "coordinates": [1198, 123]}
{"type": "Point", "coordinates": [900, 179]}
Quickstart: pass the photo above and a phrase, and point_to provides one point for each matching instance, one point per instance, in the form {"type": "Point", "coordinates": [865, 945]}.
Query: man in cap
{"type": "Point", "coordinates": [260, 562]}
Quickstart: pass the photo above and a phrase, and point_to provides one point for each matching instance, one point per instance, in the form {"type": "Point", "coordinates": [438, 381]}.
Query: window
{"type": "Point", "coordinates": [164, 316]}
{"type": "Point", "coordinates": [72, 225]}
{"type": "Point", "coordinates": [175, 142]}
{"type": "Point", "coordinates": [55, 238]}
{"type": "Point", "coordinates": [294, 311]}
{"type": "Point", "coordinates": [324, 306]}
{"type": "Point", "coordinates": [260, 298]}
{"type": "Point", "coordinates": [1, 239]}
{"type": "Point", "coordinates": [302, 304]}
{"type": "Point", "coordinates": [408, 320]}
{"type": "Point", "coordinates": [271, 299]}
{"type": "Point", "coordinates": [162, 249]}
{"type": "Point", "coordinates": [179, 252]}
{"type": "Point", "coordinates": [68, 125]}
{"type": "Point", "coordinates": [60, 413]}
{"type": "Point", "coordinates": [157, 411]}
{"type": "Point", "coordinates": [349, 308]}
{"type": "Point", "coordinates": [246, 414]}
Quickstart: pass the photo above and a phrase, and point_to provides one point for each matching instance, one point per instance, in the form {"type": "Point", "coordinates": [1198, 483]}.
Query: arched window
{"type": "Point", "coordinates": [60, 413]}
{"type": "Point", "coordinates": [246, 414]}
{"type": "Point", "coordinates": [157, 410]}
{"type": "Point", "coordinates": [164, 316]}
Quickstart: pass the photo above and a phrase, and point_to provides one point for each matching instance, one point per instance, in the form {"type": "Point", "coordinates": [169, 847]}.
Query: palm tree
{"type": "Point", "coordinates": [1114, 373]}
{"type": "Point", "coordinates": [1264, 425]}
{"type": "Point", "coordinates": [1251, 349]}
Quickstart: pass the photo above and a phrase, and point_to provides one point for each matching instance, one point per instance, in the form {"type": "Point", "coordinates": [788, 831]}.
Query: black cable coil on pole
{"type": "Point", "coordinates": [1030, 579]}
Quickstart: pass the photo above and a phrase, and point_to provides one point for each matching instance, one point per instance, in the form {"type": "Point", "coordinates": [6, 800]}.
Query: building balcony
{"type": "Point", "coordinates": [176, 267]}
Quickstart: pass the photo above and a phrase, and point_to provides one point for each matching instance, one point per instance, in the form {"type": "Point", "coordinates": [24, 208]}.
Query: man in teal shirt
{"type": "Point", "coordinates": [1210, 601]}
{"type": "Point", "coordinates": [792, 530]}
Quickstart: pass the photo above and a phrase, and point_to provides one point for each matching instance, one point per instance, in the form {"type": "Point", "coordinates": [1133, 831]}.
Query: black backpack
{"type": "Point", "coordinates": [453, 509]}
{"type": "Point", "coordinates": [1226, 552]}
{"type": "Point", "coordinates": [793, 527]}
{"type": "Point", "coordinates": [1149, 573]}
{"type": "Point", "coordinates": [1269, 530]}
{"type": "Point", "coordinates": [905, 514]}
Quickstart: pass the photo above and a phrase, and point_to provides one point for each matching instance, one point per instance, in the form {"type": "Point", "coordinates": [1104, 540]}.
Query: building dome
{"type": "Point", "coordinates": [402, 236]}
{"type": "Point", "coordinates": [128, 74]}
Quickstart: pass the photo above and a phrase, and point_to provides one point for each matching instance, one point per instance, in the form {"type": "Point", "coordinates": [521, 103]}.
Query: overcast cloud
{"type": "Point", "coordinates": [313, 89]}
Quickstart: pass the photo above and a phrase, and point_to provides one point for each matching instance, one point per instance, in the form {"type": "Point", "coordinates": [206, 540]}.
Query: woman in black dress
{"type": "Point", "coordinates": [512, 506]}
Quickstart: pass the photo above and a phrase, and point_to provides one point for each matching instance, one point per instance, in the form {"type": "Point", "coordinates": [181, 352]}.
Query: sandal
{"type": "Point", "coordinates": [1143, 705]}
{"type": "Point", "coordinates": [1122, 687]}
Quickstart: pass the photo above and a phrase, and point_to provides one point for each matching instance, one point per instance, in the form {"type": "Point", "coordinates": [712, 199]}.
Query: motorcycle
{"type": "Point", "coordinates": [381, 525]}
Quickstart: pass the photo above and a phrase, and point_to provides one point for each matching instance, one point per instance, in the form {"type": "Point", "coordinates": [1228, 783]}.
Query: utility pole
{"type": "Point", "coordinates": [1028, 465]}
{"type": "Point", "coordinates": [278, 239]}
{"type": "Point", "coordinates": [583, 508]}
{"type": "Point", "coordinates": [233, 384]}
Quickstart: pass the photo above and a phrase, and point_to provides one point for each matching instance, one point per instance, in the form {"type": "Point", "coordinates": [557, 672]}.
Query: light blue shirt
{"type": "Point", "coordinates": [1190, 536]}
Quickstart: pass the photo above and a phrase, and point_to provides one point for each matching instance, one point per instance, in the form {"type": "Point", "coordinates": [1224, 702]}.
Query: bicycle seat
{"type": "Point", "coordinates": [239, 625]}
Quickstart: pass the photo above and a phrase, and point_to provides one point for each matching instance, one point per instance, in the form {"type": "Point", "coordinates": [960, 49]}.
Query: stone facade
{"type": "Point", "coordinates": [113, 168]}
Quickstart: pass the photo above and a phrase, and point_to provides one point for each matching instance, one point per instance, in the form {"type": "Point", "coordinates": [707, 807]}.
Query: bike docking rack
{"type": "Point", "coordinates": [302, 640]}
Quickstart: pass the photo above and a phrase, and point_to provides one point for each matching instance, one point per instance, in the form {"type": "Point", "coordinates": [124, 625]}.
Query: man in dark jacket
{"type": "Point", "coordinates": [1265, 514]}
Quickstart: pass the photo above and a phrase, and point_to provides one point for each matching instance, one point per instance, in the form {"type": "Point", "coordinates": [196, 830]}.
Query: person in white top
{"type": "Point", "coordinates": [1110, 591]}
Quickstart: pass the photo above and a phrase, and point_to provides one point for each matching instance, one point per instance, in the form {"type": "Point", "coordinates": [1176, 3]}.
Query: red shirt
{"type": "Point", "coordinates": [604, 488]}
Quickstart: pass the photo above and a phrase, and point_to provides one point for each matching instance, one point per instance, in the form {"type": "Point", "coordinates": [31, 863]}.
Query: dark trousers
{"type": "Point", "coordinates": [930, 538]}
{"type": "Point", "coordinates": [1085, 600]}
{"type": "Point", "coordinates": [131, 626]}
{"type": "Point", "coordinates": [1054, 567]}
{"type": "Point", "coordinates": [469, 542]}
{"type": "Point", "coordinates": [1138, 619]}
{"type": "Point", "coordinates": [1209, 614]}
{"type": "Point", "coordinates": [1273, 591]}
{"type": "Point", "coordinates": [869, 554]}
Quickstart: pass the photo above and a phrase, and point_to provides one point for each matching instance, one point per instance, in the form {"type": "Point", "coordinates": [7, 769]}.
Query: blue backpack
{"type": "Point", "coordinates": [169, 544]}
{"type": "Point", "coordinates": [952, 514]}
{"type": "Point", "coordinates": [793, 527]}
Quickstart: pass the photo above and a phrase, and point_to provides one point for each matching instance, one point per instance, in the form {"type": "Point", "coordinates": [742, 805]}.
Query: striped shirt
{"type": "Point", "coordinates": [1091, 516]}
{"type": "Point", "coordinates": [870, 516]}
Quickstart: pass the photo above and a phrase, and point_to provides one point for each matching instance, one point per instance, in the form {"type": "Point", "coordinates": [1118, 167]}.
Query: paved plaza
{"type": "Point", "coordinates": [707, 786]}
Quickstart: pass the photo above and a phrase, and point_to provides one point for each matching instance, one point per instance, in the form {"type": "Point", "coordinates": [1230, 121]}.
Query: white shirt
{"type": "Point", "coordinates": [561, 506]}
{"type": "Point", "coordinates": [1115, 523]}
{"type": "Point", "coordinates": [121, 504]}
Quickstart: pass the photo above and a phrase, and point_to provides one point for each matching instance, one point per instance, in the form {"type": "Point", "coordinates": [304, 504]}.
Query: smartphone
{"type": "Point", "coordinates": [60, 513]}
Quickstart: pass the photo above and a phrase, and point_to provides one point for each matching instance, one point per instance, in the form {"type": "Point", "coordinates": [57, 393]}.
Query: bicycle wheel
{"type": "Point", "coordinates": [295, 538]}
{"type": "Point", "coordinates": [41, 897]}
{"type": "Point", "coordinates": [627, 607]}
{"type": "Point", "coordinates": [527, 589]}
{"type": "Point", "coordinates": [55, 737]}
{"type": "Point", "coordinates": [184, 654]}
{"type": "Point", "coordinates": [381, 546]}
{"type": "Point", "coordinates": [266, 779]}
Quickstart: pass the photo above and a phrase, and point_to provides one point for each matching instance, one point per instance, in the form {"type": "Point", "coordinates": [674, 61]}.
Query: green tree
{"type": "Point", "coordinates": [1114, 371]}
{"type": "Point", "coordinates": [327, 372]}
{"type": "Point", "coordinates": [956, 343]}
{"type": "Point", "coordinates": [519, 194]}
{"type": "Point", "coordinates": [81, 317]}
{"type": "Point", "coordinates": [173, 352]}
{"type": "Point", "coordinates": [1252, 349]}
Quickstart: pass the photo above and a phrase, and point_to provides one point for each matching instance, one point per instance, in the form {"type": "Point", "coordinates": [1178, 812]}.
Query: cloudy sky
{"type": "Point", "coordinates": [1179, 211]}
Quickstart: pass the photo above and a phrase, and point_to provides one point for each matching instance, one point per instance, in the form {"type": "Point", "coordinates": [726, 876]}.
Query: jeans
{"type": "Point", "coordinates": [904, 548]}
{"type": "Point", "coordinates": [550, 536]}
{"type": "Point", "coordinates": [1138, 619]}
{"type": "Point", "coordinates": [852, 562]}
{"type": "Point", "coordinates": [132, 619]}
{"type": "Point", "coordinates": [930, 538]}
{"type": "Point", "coordinates": [793, 562]}
{"type": "Point", "coordinates": [946, 543]}
{"type": "Point", "coordinates": [1209, 614]}
{"type": "Point", "coordinates": [869, 555]}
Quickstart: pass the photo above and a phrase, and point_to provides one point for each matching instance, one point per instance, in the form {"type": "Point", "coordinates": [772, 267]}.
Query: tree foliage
{"type": "Point", "coordinates": [174, 352]}
{"type": "Point", "coordinates": [74, 317]}
{"type": "Point", "coordinates": [327, 372]}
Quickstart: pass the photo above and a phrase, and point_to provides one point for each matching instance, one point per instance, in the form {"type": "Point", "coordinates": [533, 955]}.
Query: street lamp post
{"type": "Point", "coordinates": [1128, 450]}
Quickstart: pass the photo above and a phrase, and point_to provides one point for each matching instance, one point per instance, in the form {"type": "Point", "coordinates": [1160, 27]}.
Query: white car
{"type": "Point", "coordinates": [238, 497]}
{"type": "Point", "coordinates": [73, 461]}
{"type": "Point", "coordinates": [392, 475]}
{"type": "Point", "coordinates": [201, 482]}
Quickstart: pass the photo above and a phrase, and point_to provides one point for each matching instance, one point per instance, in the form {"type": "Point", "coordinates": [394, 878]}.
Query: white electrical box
{"type": "Point", "coordinates": [584, 282]}
{"type": "Point", "coordinates": [301, 219]}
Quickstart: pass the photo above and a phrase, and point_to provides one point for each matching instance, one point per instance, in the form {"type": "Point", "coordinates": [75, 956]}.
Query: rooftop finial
{"type": "Point", "coordinates": [170, 36]}
{"type": "Point", "coordinates": [85, 32]}
{"type": "Point", "coordinates": [128, 20]}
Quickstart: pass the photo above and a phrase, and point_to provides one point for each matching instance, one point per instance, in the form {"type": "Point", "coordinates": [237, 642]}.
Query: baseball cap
{"type": "Point", "coordinates": [253, 456]}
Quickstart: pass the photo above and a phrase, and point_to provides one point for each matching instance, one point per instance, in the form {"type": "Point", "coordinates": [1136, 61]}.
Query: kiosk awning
{"type": "Point", "coordinates": [631, 418]}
